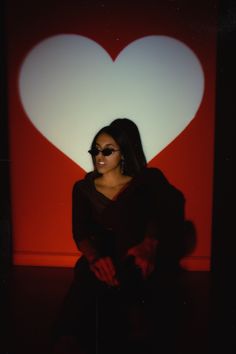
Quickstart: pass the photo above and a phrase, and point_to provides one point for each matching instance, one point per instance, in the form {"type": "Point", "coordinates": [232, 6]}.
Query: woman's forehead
{"type": "Point", "coordinates": [105, 139]}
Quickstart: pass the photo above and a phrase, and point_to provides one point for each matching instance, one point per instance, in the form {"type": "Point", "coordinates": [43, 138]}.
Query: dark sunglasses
{"type": "Point", "coordinates": [105, 152]}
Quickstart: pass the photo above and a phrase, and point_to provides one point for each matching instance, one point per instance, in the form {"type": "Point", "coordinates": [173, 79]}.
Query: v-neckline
{"type": "Point", "coordinates": [117, 195]}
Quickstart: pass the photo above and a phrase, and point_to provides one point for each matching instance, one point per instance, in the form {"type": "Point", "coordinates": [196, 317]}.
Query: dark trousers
{"type": "Point", "coordinates": [138, 317]}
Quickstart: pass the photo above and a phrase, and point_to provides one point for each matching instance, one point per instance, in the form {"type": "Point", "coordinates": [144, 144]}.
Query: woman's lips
{"type": "Point", "coordinates": [100, 164]}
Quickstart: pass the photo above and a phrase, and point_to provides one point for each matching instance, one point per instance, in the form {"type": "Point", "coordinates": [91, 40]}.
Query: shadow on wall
{"type": "Point", "coordinates": [179, 236]}
{"type": "Point", "coordinates": [189, 237]}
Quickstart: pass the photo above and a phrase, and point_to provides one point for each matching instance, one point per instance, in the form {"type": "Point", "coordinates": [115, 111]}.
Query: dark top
{"type": "Point", "coordinates": [148, 206]}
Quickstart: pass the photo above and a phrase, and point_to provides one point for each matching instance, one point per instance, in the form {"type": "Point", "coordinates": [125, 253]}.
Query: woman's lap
{"type": "Point", "coordinates": [96, 313]}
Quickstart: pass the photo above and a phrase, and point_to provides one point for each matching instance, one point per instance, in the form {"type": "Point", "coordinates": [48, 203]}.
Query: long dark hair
{"type": "Point", "coordinates": [133, 163]}
{"type": "Point", "coordinates": [133, 134]}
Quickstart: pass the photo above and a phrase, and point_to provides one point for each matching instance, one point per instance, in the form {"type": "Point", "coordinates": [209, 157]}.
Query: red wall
{"type": "Point", "coordinates": [42, 176]}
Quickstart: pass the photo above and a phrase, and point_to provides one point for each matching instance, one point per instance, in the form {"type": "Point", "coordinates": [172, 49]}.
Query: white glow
{"type": "Point", "coordinates": [70, 88]}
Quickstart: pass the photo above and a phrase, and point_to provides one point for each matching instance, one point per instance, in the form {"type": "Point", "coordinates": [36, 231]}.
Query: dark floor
{"type": "Point", "coordinates": [31, 297]}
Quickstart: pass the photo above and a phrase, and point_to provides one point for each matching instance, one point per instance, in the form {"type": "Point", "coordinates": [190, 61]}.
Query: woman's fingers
{"type": "Point", "coordinates": [105, 271]}
{"type": "Point", "coordinates": [109, 266]}
{"type": "Point", "coordinates": [103, 267]}
{"type": "Point", "coordinates": [96, 272]}
{"type": "Point", "coordinates": [146, 266]}
{"type": "Point", "coordinates": [144, 256]}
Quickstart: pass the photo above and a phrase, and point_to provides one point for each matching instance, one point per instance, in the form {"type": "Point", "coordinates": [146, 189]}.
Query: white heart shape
{"type": "Point", "coordinates": [70, 87]}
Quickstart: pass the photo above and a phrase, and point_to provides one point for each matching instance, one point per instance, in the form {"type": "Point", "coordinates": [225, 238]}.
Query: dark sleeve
{"type": "Point", "coordinates": [157, 190]}
{"type": "Point", "coordinates": [166, 207]}
{"type": "Point", "coordinates": [170, 226]}
{"type": "Point", "coordinates": [81, 221]}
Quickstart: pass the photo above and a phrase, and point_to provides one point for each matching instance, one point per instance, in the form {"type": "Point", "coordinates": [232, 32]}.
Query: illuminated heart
{"type": "Point", "coordinates": [70, 87]}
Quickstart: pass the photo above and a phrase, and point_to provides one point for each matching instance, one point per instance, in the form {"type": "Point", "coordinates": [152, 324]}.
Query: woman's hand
{"type": "Point", "coordinates": [144, 255]}
{"type": "Point", "coordinates": [105, 271]}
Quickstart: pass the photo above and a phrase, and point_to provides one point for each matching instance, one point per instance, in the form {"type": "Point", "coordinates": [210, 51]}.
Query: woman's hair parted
{"type": "Point", "coordinates": [126, 135]}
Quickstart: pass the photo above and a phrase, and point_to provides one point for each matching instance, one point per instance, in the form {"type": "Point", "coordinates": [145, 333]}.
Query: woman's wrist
{"type": "Point", "coordinates": [88, 251]}
{"type": "Point", "coordinates": [151, 242]}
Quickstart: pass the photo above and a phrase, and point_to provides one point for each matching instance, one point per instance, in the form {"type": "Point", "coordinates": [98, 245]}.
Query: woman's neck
{"type": "Point", "coordinates": [111, 185]}
{"type": "Point", "coordinates": [113, 179]}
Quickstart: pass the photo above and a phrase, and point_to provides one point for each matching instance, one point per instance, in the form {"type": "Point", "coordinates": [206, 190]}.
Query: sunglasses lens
{"type": "Point", "coordinates": [107, 152]}
{"type": "Point", "coordinates": [94, 152]}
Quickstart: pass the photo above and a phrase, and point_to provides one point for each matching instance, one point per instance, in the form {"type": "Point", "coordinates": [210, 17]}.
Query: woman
{"type": "Point", "coordinates": [121, 224]}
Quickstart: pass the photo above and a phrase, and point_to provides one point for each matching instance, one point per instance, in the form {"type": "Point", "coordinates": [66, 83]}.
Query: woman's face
{"type": "Point", "coordinates": [111, 163]}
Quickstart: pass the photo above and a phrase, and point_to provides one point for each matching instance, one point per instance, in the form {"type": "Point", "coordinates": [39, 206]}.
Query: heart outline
{"type": "Point", "coordinates": [129, 79]}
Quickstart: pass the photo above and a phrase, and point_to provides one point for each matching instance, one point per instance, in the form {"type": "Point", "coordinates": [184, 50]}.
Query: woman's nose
{"type": "Point", "coordinates": [100, 156]}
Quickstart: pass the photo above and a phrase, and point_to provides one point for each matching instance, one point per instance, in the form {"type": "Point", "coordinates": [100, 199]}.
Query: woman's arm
{"type": "Point", "coordinates": [83, 234]}
{"type": "Point", "coordinates": [82, 223]}
{"type": "Point", "coordinates": [160, 210]}
{"type": "Point", "coordinates": [144, 255]}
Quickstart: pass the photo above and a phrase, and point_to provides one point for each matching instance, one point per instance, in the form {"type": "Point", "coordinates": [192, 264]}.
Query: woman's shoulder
{"type": "Point", "coordinates": [157, 182]}
{"type": "Point", "coordinates": [156, 175]}
{"type": "Point", "coordinates": [153, 174]}
{"type": "Point", "coordinates": [85, 183]}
